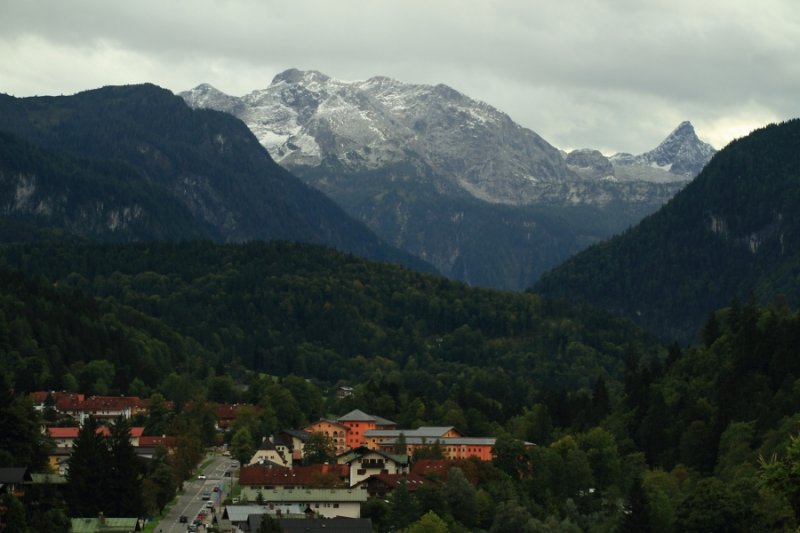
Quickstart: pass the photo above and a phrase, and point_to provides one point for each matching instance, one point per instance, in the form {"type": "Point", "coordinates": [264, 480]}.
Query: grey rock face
{"type": "Point", "coordinates": [305, 118]}
{"type": "Point", "coordinates": [682, 153]}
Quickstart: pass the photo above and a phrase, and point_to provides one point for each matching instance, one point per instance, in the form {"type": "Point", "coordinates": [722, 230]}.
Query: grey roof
{"type": "Point", "coordinates": [14, 474]}
{"type": "Point", "coordinates": [317, 525]}
{"type": "Point", "coordinates": [239, 513]}
{"type": "Point", "coordinates": [379, 420]}
{"type": "Point", "coordinates": [424, 431]}
{"type": "Point", "coordinates": [447, 441]}
{"type": "Point", "coordinates": [351, 455]}
{"type": "Point", "coordinates": [313, 495]}
{"type": "Point", "coordinates": [356, 415]}
{"type": "Point", "coordinates": [327, 525]}
{"type": "Point", "coordinates": [298, 433]}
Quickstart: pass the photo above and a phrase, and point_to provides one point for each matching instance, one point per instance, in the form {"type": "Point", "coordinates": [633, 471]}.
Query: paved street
{"type": "Point", "coordinates": [191, 502]}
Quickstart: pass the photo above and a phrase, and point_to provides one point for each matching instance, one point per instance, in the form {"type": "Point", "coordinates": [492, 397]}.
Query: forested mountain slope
{"type": "Point", "coordinates": [207, 161]}
{"type": "Point", "coordinates": [99, 199]}
{"type": "Point", "coordinates": [289, 308]}
{"type": "Point", "coordinates": [732, 231]}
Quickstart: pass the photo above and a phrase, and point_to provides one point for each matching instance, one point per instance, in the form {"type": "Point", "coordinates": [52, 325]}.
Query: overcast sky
{"type": "Point", "coordinates": [616, 75]}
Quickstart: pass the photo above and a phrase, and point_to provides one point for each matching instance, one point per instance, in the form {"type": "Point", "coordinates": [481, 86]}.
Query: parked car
{"type": "Point", "coordinates": [206, 495]}
{"type": "Point", "coordinates": [183, 519]}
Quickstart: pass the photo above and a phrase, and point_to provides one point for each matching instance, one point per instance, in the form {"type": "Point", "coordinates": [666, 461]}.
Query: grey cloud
{"type": "Point", "coordinates": [615, 75]}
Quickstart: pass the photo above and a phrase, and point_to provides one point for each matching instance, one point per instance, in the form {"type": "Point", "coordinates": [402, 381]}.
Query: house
{"type": "Point", "coordinates": [149, 445]}
{"type": "Point", "coordinates": [452, 447]}
{"type": "Point", "coordinates": [155, 441]}
{"type": "Point", "coordinates": [102, 408]}
{"type": "Point", "coordinates": [317, 525]}
{"type": "Point", "coordinates": [255, 480]}
{"type": "Point", "coordinates": [430, 468]}
{"type": "Point", "coordinates": [358, 423]}
{"type": "Point", "coordinates": [64, 440]}
{"type": "Point", "coordinates": [379, 485]}
{"type": "Point", "coordinates": [268, 453]}
{"type": "Point", "coordinates": [13, 479]}
{"type": "Point", "coordinates": [103, 524]}
{"type": "Point", "coordinates": [290, 443]}
{"type": "Point", "coordinates": [308, 502]}
{"type": "Point", "coordinates": [65, 437]}
{"type": "Point", "coordinates": [61, 400]}
{"type": "Point", "coordinates": [343, 392]}
{"type": "Point", "coordinates": [364, 463]}
{"type": "Point", "coordinates": [226, 414]}
{"type": "Point", "coordinates": [335, 431]}
{"type": "Point", "coordinates": [375, 437]}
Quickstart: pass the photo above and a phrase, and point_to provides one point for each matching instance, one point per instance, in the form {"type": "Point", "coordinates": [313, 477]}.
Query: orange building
{"type": "Point", "coordinates": [452, 447]}
{"type": "Point", "coordinates": [333, 430]}
{"type": "Point", "coordinates": [375, 437]}
{"type": "Point", "coordinates": [358, 423]}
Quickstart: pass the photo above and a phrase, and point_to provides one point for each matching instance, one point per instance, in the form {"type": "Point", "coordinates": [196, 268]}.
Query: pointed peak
{"type": "Point", "coordinates": [206, 88]}
{"type": "Point", "coordinates": [684, 128]}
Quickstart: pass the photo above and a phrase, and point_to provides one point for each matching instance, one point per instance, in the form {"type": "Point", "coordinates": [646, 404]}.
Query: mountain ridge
{"type": "Point", "coordinates": [440, 175]}
{"type": "Point", "coordinates": [209, 161]}
{"type": "Point", "coordinates": [728, 234]}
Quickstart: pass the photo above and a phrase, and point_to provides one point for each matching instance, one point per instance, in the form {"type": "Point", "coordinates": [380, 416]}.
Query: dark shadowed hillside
{"type": "Point", "coordinates": [207, 161]}
{"type": "Point", "coordinates": [732, 231]}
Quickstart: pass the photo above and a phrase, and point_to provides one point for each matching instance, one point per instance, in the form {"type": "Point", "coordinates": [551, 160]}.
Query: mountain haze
{"type": "Point", "coordinates": [447, 178]}
{"type": "Point", "coordinates": [730, 233]}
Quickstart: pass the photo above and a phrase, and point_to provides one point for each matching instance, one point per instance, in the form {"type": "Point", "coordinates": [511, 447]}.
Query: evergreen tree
{"type": "Point", "coordinates": [269, 524]}
{"type": "Point", "coordinates": [402, 510]}
{"type": "Point", "coordinates": [461, 497]}
{"type": "Point", "coordinates": [124, 469]}
{"type": "Point", "coordinates": [637, 517]}
{"type": "Point", "coordinates": [87, 477]}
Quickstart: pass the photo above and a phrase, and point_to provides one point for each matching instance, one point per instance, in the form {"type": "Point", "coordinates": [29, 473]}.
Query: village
{"type": "Point", "coordinates": [327, 470]}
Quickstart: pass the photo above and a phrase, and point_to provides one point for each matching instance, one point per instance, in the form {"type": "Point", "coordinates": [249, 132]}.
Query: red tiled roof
{"type": "Point", "coordinates": [108, 403]}
{"type": "Point", "coordinates": [424, 466]}
{"type": "Point", "coordinates": [302, 476]}
{"type": "Point", "coordinates": [63, 433]}
{"type": "Point", "coordinates": [413, 481]}
{"type": "Point", "coordinates": [72, 432]}
{"type": "Point", "coordinates": [41, 396]}
{"type": "Point", "coordinates": [157, 440]}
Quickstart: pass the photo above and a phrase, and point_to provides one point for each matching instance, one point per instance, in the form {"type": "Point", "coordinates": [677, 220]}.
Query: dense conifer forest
{"type": "Point", "coordinates": [628, 435]}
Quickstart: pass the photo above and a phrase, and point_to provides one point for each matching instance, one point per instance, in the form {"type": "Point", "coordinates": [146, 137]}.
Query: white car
{"type": "Point", "coordinates": [202, 476]}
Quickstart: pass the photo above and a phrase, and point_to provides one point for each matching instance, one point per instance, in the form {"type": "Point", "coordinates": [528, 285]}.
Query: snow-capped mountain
{"type": "Point", "coordinates": [446, 177]}
{"type": "Point", "coordinates": [305, 118]}
{"type": "Point", "coordinates": [682, 153]}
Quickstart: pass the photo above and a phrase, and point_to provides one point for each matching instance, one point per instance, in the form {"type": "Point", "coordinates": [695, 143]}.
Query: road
{"type": "Point", "coordinates": [190, 503]}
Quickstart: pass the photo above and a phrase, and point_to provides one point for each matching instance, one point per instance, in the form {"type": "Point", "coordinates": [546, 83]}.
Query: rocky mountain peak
{"type": "Point", "coordinates": [682, 152]}
{"type": "Point", "coordinates": [294, 75]}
